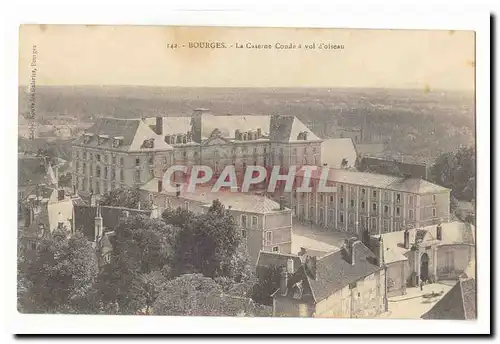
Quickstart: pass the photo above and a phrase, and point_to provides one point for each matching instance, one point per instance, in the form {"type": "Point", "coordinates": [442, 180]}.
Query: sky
{"type": "Point", "coordinates": [138, 55]}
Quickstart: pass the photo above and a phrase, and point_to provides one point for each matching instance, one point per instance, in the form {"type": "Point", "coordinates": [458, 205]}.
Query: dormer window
{"type": "Point", "coordinates": [101, 139]}
{"type": "Point", "coordinates": [149, 143]}
{"type": "Point", "coordinates": [87, 137]}
{"type": "Point", "coordinates": [178, 139]}
{"type": "Point", "coordinates": [302, 135]}
{"type": "Point", "coordinates": [117, 141]}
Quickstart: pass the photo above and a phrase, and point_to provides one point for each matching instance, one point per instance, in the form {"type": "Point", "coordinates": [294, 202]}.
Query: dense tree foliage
{"type": "Point", "coordinates": [125, 197]}
{"type": "Point", "coordinates": [59, 278]}
{"type": "Point", "coordinates": [457, 171]}
{"type": "Point", "coordinates": [266, 285]}
{"type": "Point", "coordinates": [205, 242]}
{"type": "Point", "coordinates": [189, 294]}
{"type": "Point", "coordinates": [142, 246]}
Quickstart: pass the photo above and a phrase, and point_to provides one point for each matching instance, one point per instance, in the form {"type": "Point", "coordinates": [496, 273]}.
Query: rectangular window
{"type": "Point", "coordinates": [98, 157]}
{"type": "Point", "coordinates": [331, 198]}
{"type": "Point", "coordinates": [386, 196]}
{"type": "Point", "coordinates": [254, 221]}
{"type": "Point", "coordinates": [341, 200]}
{"type": "Point", "coordinates": [374, 206]}
{"type": "Point", "coordinates": [105, 158]}
{"type": "Point", "coordinates": [113, 159]}
{"type": "Point", "coordinates": [398, 198]}
{"type": "Point", "coordinates": [150, 160]}
{"type": "Point", "coordinates": [362, 205]}
{"type": "Point", "coordinates": [352, 190]}
{"type": "Point", "coordinates": [386, 225]}
{"type": "Point", "coordinates": [122, 175]}
{"type": "Point", "coordinates": [433, 198]}
{"type": "Point", "coordinates": [351, 218]}
{"type": "Point", "coordinates": [433, 212]}
{"type": "Point", "coordinates": [397, 226]}
{"type": "Point", "coordinates": [410, 214]}
{"type": "Point", "coordinates": [138, 175]}
{"type": "Point", "coordinates": [363, 192]}
{"type": "Point", "coordinates": [137, 161]}
{"type": "Point", "coordinates": [374, 223]}
{"type": "Point", "coordinates": [276, 249]}
{"type": "Point", "coordinates": [410, 200]}
{"type": "Point", "coordinates": [341, 217]}
{"type": "Point", "coordinates": [243, 234]}
{"type": "Point", "coordinates": [341, 188]}
{"type": "Point", "coordinates": [386, 210]}
{"type": "Point", "coordinates": [268, 238]}
{"type": "Point", "coordinates": [352, 203]}
{"type": "Point", "coordinates": [374, 193]}
{"type": "Point", "coordinates": [105, 172]}
{"type": "Point", "coordinates": [244, 221]}
{"type": "Point", "coordinates": [398, 211]}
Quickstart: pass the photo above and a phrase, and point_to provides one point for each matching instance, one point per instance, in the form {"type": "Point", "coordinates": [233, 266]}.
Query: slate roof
{"type": "Point", "coordinates": [458, 304]}
{"type": "Point", "coordinates": [268, 259]}
{"type": "Point", "coordinates": [238, 201]}
{"type": "Point", "coordinates": [381, 181]}
{"type": "Point", "coordinates": [132, 131]}
{"type": "Point", "coordinates": [334, 271]}
{"type": "Point", "coordinates": [85, 215]}
{"type": "Point", "coordinates": [388, 166]}
{"type": "Point", "coordinates": [333, 151]}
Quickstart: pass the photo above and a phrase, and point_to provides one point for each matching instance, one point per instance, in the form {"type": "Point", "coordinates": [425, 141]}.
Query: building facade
{"type": "Point", "coordinates": [116, 153]}
{"type": "Point", "coordinates": [379, 203]}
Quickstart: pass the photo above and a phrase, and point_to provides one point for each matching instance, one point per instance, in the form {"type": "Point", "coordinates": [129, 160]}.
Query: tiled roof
{"type": "Point", "coordinates": [458, 304]}
{"type": "Point", "coordinates": [333, 151]}
{"type": "Point", "coordinates": [238, 201]}
{"type": "Point", "coordinates": [382, 181]}
{"type": "Point", "coordinates": [269, 259]}
{"type": "Point", "coordinates": [388, 166]}
{"type": "Point", "coordinates": [132, 131]}
{"type": "Point", "coordinates": [85, 215]}
{"type": "Point", "coordinates": [334, 271]}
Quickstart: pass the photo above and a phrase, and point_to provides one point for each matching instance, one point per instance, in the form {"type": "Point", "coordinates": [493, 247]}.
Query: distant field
{"type": "Point", "coordinates": [414, 122]}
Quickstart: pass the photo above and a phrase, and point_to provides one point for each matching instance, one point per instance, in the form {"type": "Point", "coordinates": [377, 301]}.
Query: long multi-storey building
{"type": "Point", "coordinates": [130, 152]}
{"type": "Point", "coordinates": [376, 202]}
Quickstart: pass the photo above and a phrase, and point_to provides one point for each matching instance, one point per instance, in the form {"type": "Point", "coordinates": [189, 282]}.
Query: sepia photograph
{"type": "Point", "coordinates": [247, 172]}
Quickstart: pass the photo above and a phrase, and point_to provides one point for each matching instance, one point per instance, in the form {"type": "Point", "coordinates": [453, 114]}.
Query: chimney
{"type": "Point", "coordinates": [282, 203]}
{"type": "Point", "coordinates": [60, 195]}
{"type": "Point", "coordinates": [289, 266]}
{"type": "Point", "coordinates": [380, 252]}
{"type": "Point", "coordinates": [350, 248]}
{"type": "Point", "coordinates": [283, 281]}
{"type": "Point", "coordinates": [259, 133]}
{"type": "Point", "coordinates": [310, 266]}
{"type": "Point", "coordinates": [98, 230]}
{"type": "Point", "coordinates": [406, 241]}
{"type": "Point", "coordinates": [56, 175]}
{"type": "Point", "coordinates": [160, 185]}
{"type": "Point", "coordinates": [439, 232]}
{"type": "Point", "coordinates": [159, 125]}
{"type": "Point", "coordinates": [178, 191]}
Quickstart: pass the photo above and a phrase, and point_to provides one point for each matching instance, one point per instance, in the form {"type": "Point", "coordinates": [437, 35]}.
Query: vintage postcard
{"type": "Point", "coordinates": [247, 172]}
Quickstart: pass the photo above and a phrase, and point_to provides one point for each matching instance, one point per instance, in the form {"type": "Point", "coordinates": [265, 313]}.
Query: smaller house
{"type": "Point", "coordinates": [347, 283]}
{"type": "Point", "coordinates": [458, 304]}
{"type": "Point", "coordinates": [431, 253]}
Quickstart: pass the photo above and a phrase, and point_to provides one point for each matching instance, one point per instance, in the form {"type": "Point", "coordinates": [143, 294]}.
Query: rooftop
{"type": "Point", "coordinates": [452, 233]}
{"type": "Point", "coordinates": [239, 201]}
{"type": "Point", "coordinates": [458, 304]}
{"type": "Point", "coordinates": [333, 151]}
{"type": "Point", "coordinates": [381, 181]}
